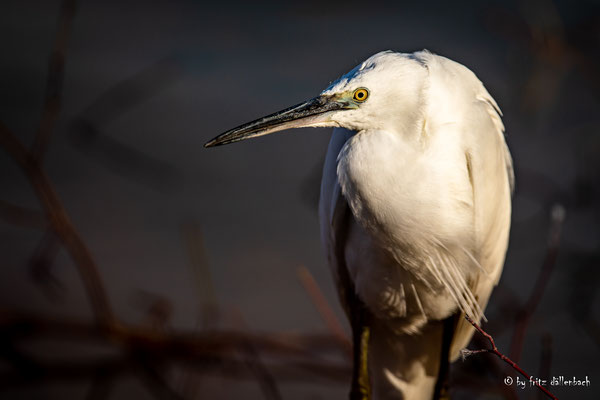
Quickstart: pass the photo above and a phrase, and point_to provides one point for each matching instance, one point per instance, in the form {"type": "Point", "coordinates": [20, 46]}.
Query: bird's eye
{"type": "Point", "coordinates": [360, 94]}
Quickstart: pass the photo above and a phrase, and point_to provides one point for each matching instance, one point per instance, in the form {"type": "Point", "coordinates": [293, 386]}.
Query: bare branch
{"type": "Point", "coordinates": [156, 383]}
{"type": "Point", "coordinates": [266, 380]}
{"type": "Point", "coordinates": [22, 326]}
{"type": "Point", "coordinates": [557, 217]}
{"type": "Point", "coordinates": [494, 350]}
{"type": "Point", "coordinates": [68, 235]}
{"type": "Point", "coordinates": [61, 224]}
{"type": "Point", "coordinates": [54, 80]}
{"type": "Point", "coordinates": [210, 352]}
{"type": "Point", "coordinates": [253, 359]}
{"type": "Point", "coordinates": [323, 307]}
{"type": "Point", "coordinates": [546, 358]}
{"type": "Point", "coordinates": [194, 242]}
{"type": "Point", "coordinates": [41, 266]}
{"type": "Point", "coordinates": [292, 371]}
{"type": "Point", "coordinates": [51, 204]}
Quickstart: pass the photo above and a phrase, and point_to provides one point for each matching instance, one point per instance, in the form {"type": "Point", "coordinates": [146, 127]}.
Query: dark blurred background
{"type": "Point", "coordinates": [183, 235]}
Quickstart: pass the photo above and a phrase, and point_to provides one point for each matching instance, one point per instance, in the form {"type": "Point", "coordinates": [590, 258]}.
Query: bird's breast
{"type": "Point", "coordinates": [412, 213]}
{"type": "Point", "coordinates": [400, 190]}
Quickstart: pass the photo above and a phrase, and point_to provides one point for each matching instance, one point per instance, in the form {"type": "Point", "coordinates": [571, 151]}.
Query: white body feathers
{"type": "Point", "coordinates": [428, 180]}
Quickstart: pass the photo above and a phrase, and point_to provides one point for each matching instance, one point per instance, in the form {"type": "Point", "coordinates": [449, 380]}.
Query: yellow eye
{"type": "Point", "coordinates": [360, 94]}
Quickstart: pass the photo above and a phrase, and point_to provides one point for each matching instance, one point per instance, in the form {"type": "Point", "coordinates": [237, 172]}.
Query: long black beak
{"type": "Point", "coordinates": [310, 113]}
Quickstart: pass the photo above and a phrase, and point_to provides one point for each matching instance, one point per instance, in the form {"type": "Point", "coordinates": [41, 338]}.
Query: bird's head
{"type": "Point", "coordinates": [383, 92]}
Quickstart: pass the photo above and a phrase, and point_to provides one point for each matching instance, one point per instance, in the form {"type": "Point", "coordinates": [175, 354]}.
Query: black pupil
{"type": "Point", "coordinates": [360, 95]}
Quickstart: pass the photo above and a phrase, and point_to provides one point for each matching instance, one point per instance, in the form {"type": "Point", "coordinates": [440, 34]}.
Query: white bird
{"type": "Point", "coordinates": [415, 211]}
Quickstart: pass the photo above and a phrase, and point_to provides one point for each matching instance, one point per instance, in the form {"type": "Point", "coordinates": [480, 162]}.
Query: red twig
{"type": "Point", "coordinates": [507, 360]}
{"type": "Point", "coordinates": [546, 358]}
{"type": "Point", "coordinates": [524, 316]}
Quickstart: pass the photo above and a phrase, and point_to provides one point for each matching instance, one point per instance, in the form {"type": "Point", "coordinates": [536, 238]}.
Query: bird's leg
{"type": "Point", "coordinates": [355, 308]}
{"type": "Point", "coordinates": [441, 386]}
{"type": "Point", "coordinates": [361, 385]}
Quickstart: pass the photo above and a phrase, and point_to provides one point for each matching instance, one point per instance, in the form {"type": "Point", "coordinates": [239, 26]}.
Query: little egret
{"type": "Point", "coordinates": [415, 211]}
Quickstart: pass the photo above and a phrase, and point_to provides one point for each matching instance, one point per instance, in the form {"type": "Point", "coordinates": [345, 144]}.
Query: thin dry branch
{"type": "Point", "coordinates": [523, 317]}
{"type": "Point", "coordinates": [61, 224]}
{"type": "Point", "coordinates": [156, 383]}
{"type": "Point", "coordinates": [54, 80]}
{"type": "Point", "coordinates": [323, 307]}
{"type": "Point", "coordinates": [198, 261]}
{"type": "Point", "coordinates": [22, 326]}
{"type": "Point", "coordinates": [546, 358]}
{"type": "Point", "coordinates": [30, 162]}
{"type": "Point", "coordinates": [41, 266]}
{"type": "Point", "coordinates": [142, 347]}
{"type": "Point", "coordinates": [267, 382]}
{"type": "Point", "coordinates": [226, 367]}
{"type": "Point", "coordinates": [494, 350]}
{"type": "Point", "coordinates": [63, 227]}
{"type": "Point", "coordinates": [252, 357]}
